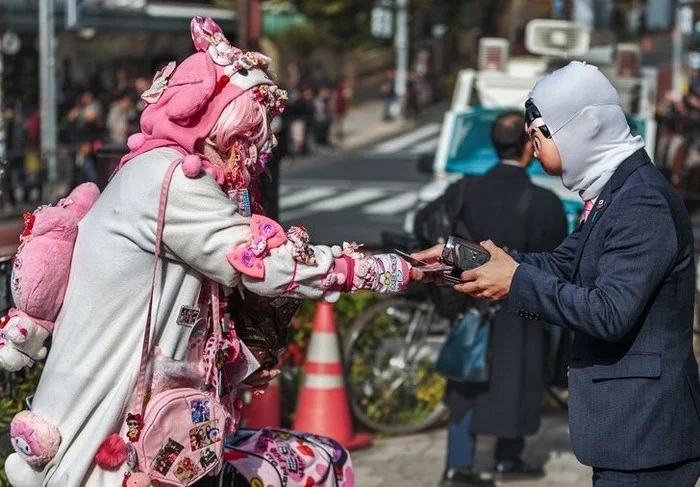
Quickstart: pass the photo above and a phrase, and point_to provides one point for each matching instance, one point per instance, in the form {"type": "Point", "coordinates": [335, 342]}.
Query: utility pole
{"type": "Point", "coordinates": [249, 24]}
{"type": "Point", "coordinates": [3, 142]}
{"type": "Point", "coordinates": [402, 48]}
{"type": "Point", "coordinates": [47, 91]}
{"type": "Point", "coordinates": [683, 27]}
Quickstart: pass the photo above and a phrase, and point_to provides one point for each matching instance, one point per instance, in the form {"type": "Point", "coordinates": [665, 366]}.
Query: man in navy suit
{"type": "Point", "coordinates": [623, 281]}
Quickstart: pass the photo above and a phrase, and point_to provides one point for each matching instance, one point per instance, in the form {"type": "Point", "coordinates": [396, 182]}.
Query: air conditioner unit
{"type": "Point", "coordinates": [559, 38]}
{"type": "Point", "coordinates": [628, 59]}
{"type": "Point", "coordinates": [493, 54]}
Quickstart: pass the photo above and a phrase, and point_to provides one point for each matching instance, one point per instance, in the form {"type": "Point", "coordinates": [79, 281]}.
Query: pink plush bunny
{"type": "Point", "coordinates": [40, 276]}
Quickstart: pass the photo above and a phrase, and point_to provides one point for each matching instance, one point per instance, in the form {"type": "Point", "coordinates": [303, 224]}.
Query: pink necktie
{"type": "Point", "coordinates": [587, 207]}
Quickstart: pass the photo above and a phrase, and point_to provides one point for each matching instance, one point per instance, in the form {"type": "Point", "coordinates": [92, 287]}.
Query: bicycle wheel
{"type": "Point", "coordinates": [389, 355]}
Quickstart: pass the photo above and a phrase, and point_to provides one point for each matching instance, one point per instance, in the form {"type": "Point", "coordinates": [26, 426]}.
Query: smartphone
{"type": "Point", "coordinates": [463, 254]}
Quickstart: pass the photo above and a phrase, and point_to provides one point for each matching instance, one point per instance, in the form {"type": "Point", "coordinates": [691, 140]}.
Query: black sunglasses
{"type": "Point", "coordinates": [532, 113]}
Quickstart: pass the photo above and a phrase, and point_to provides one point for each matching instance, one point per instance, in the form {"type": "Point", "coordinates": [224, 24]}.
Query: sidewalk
{"type": "Point", "coordinates": [363, 124]}
{"type": "Point", "coordinates": [418, 460]}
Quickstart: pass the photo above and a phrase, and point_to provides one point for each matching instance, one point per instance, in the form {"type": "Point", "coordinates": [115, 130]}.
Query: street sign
{"type": "Point", "coordinates": [382, 23]}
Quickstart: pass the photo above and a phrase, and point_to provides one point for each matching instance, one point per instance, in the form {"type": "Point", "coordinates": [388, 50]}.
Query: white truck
{"type": "Point", "coordinates": [502, 83]}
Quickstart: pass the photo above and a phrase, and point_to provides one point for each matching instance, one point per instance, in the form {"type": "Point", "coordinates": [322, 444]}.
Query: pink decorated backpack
{"type": "Point", "coordinates": [275, 457]}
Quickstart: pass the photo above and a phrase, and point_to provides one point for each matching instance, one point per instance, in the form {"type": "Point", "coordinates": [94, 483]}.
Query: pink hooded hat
{"type": "Point", "coordinates": [185, 101]}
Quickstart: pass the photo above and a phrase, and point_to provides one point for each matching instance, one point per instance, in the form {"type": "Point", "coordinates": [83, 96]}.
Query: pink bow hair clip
{"type": "Point", "coordinates": [160, 81]}
{"type": "Point", "coordinates": [208, 37]}
{"type": "Point", "coordinates": [248, 258]}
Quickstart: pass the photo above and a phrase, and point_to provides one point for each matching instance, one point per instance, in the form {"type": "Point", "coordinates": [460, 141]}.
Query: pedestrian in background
{"type": "Point", "coordinates": [507, 206]}
{"type": "Point", "coordinates": [342, 94]}
{"type": "Point", "coordinates": [624, 281]}
{"type": "Point", "coordinates": [388, 93]}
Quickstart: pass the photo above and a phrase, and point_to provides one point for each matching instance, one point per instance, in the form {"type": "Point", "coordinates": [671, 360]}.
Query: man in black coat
{"type": "Point", "coordinates": [506, 206]}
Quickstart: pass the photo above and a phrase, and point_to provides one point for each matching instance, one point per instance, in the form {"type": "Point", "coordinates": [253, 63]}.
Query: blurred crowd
{"type": "Point", "coordinates": [89, 116]}
{"type": "Point", "coordinates": [316, 111]}
{"type": "Point", "coordinates": [678, 140]}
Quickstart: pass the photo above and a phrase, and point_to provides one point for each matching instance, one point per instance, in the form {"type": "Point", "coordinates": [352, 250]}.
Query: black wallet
{"type": "Point", "coordinates": [463, 254]}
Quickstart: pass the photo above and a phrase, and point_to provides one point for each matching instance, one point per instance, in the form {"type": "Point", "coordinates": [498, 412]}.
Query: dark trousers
{"type": "Point", "coordinates": [683, 474]}
{"type": "Point", "coordinates": [461, 444]}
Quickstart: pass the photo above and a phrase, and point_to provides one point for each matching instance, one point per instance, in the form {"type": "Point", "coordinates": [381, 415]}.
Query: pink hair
{"type": "Point", "coordinates": [244, 119]}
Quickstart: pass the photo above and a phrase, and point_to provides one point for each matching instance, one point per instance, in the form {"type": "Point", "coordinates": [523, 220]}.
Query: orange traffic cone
{"type": "Point", "coordinates": [322, 407]}
{"type": "Point", "coordinates": [263, 411]}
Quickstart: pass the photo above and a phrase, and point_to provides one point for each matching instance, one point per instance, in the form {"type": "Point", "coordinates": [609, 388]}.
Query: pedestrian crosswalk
{"type": "Point", "coordinates": [421, 140]}
{"type": "Point", "coordinates": [299, 199]}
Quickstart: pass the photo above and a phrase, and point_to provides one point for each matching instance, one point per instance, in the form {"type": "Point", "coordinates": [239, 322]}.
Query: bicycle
{"type": "Point", "coordinates": [389, 354]}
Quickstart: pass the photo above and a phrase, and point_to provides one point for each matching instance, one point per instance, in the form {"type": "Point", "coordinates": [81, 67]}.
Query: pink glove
{"type": "Point", "coordinates": [381, 273]}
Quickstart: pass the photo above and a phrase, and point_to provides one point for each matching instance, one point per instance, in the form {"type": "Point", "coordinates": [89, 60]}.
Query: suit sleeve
{"type": "Point", "coordinates": [558, 262]}
{"type": "Point", "coordinates": [640, 246]}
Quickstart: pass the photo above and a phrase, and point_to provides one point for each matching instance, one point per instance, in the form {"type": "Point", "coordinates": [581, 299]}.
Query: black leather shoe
{"type": "Point", "coordinates": [517, 471]}
{"type": "Point", "coordinates": [454, 477]}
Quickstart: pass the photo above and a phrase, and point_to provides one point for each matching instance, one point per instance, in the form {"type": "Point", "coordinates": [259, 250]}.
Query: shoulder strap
{"type": "Point", "coordinates": [463, 187]}
{"type": "Point", "coordinates": [145, 348]}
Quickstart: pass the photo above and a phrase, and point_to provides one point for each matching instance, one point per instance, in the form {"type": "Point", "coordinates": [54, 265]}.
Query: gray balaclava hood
{"type": "Point", "coordinates": [583, 112]}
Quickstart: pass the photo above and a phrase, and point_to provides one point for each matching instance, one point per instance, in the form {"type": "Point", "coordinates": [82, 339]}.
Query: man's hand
{"type": "Point", "coordinates": [492, 280]}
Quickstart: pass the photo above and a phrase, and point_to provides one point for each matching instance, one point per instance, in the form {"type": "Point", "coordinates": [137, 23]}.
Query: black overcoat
{"type": "Point", "coordinates": [509, 405]}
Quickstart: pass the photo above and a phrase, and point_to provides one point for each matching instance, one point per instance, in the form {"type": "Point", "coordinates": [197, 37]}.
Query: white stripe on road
{"type": "Point", "coordinates": [425, 147]}
{"type": "Point", "coordinates": [405, 140]}
{"type": "Point", "coordinates": [351, 198]}
{"type": "Point", "coordinates": [305, 196]}
{"type": "Point", "coordinates": [391, 206]}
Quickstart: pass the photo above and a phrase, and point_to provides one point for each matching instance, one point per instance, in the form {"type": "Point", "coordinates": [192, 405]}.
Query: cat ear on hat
{"type": "Point", "coordinates": [192, 85]}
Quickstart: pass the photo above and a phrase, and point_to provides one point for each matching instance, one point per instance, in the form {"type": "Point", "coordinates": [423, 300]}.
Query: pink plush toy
{"type": "Point", "coordinates": [40, 276]}
{"type": "Point", "coordinates": [36, 441]}
{"type": "Point", "coordinates": [33, 438]}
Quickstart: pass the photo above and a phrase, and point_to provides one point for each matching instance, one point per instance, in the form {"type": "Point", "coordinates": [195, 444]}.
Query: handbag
{"type": "Point", "coordinates": [276, 457]}
{"type": "Point", "coordinates": [464, 357]}
{"type": "Point", "coordinates": [176, 437]}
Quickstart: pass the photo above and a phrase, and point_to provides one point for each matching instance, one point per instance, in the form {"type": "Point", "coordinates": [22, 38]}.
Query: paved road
{"type": "Point", "coordinates": [357, 195]}
{"type": "Point", "coordinates": [418, 460]}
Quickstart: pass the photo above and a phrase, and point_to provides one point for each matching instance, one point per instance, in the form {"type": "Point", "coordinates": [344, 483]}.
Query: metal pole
{"type": "Point", "coordinates": [3, 142]}
{"type": "Point", "coordinates": [401, 43]}
{"type": "Point", "coordinates": [243, 24]}
{"type": "Point", "coordinates": [47, 90]}
{"type": "Point", "coordinates": [677, 54]}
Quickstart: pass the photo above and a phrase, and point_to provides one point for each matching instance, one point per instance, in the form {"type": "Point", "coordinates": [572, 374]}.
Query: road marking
{"type": "Point", "coordinates": [391, 206]}
{"type": "Point", "coordinates": [304, 196]}
{"type": "Point", "coordinates": [425, 147]}
{"type": "Point", "coordinates": [407, 139]}
{"type": "Point", "coordinates": [351, 198]}
{"type": "Point", "coordinates": [341, 184]}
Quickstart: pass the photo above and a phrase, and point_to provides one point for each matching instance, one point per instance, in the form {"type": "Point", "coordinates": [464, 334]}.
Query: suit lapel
{"type": "Point", "coordinates": [618, 178]}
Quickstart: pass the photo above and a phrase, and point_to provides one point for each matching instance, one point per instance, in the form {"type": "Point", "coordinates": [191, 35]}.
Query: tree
{"type": "Point", "coordinates": [344, 24]}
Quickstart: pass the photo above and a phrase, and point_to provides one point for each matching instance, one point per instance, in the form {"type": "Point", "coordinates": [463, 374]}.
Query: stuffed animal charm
{"type": "Point", "coordinates": [36, 441]}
